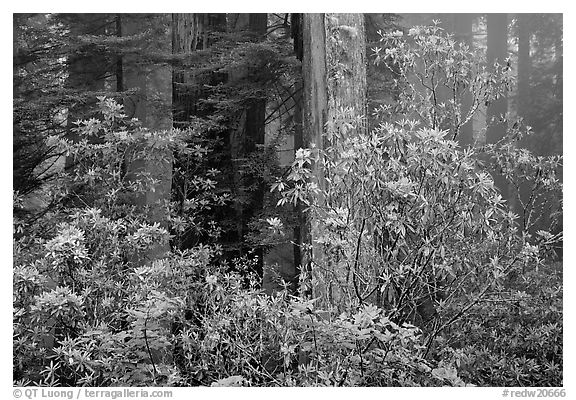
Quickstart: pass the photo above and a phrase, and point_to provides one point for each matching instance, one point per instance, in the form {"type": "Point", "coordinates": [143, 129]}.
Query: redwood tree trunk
{"type": "Point", "coordinates": [86, 70]}
{"type": "Point", "coordinates": [247, 139]}
{"type": "Point", "coordinates": [524, 66]}
{"type": "Point", "coordinates": [151, 104]}
{"type": "Point", "coordinates": [463, 32]}
{"type": "Point", "coordinates": [334, 78]}
{"type": "Point", "coordinates": [315, 109]}
{"type": "Point", "coordinates": [497, 51]}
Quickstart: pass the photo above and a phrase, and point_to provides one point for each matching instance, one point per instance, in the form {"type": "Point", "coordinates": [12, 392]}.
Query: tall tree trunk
{"type": "Point", "coordinates": [86, 66]}
{"type": "Point", "coordinates": [119, 70]}
{"type": "Point", "coordinates": [346, 64]}
{"type": "Point", "coordinates": [246, 140]}
{"type": "Point", "coordinates": [300, 230]}
{"type": "Point", "coordinates": [463, 32]}
{"type": "Point", "coordinates": [334, 77]}
{"type": "Point", "coordinates": [559, 56]}
{"type": "Point", "coordinates": [497, 51]}
{"type": "Point", "coordinates": [523, 97]}
{"type": "Point", "coordinates": [188, 32]}
{"type": "Point", "coordinates": [559, 94]}
{"type": "Point", "coordinates": [315, 110]}
{"type": "Point", "coordinates": [151, 104]}
{"type": "Point", "coordinates": [524, 66]}
{"type": "Point", "coordinates": [86, 70]}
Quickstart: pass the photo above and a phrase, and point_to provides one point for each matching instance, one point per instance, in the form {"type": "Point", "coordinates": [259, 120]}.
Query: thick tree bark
{"type": "Point", "coordinates": [346, 64]}
{"type": "Point", "coordinates": [334, 78]}
{"type": "Point", "coordinates": [315, 110]}
{"type": "Point", "coordinates": [300, 230]}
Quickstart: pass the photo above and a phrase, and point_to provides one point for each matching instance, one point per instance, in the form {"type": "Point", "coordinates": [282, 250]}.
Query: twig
{"type": "Point", "coordinates": [356, 290]}
{"type": "Point", "coordinates": [147, 345]}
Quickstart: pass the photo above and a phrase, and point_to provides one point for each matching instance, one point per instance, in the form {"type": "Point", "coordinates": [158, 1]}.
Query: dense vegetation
{"type": "Point", "coordinates": [423, 274]}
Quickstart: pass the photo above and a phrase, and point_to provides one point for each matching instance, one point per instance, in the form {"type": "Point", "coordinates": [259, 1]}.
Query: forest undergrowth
{"type": "Point", "coordinates": [420, 273]}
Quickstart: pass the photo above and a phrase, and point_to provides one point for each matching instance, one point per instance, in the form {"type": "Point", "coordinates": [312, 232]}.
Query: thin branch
{"type": "Point", "coordinates": [148, 346]}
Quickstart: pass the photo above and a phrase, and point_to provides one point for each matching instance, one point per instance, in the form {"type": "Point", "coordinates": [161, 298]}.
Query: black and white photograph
{"type": "Point", "coordinates": [287, 200]}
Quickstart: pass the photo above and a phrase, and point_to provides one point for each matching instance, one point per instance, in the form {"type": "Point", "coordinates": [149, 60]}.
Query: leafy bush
{"type": "Point", "coordinates": [90, 311]}
{"type": "Point", "coordinates": [405, 218]}
{"type": "Point", "coordinates": [512, 338]}
{"type": "Point", "coordinates": [182, 320]}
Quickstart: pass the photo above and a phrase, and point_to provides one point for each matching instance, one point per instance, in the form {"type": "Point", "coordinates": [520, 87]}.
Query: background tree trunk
{"type": "Point", "coordinates": [151, 104]}
{"type": "Point", "coordinates": [245, 139]}
{"type": "Point", "coordinates": [460, 25]}
{"type": "Point", "coordinates": [523, 95]}
{"type": "Point", "coordinates": [524, 66]}
{"type": "Point", "coordinates": [463, 32]}
{"type": "Point", "coordinates": [188, 36]}
{"type": "Point", "coordinates": [497, 51]}
{"type": "Point", "coordinates": [86, 70]}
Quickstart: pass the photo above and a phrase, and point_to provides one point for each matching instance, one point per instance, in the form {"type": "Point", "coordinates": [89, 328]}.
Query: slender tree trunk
{"type": "Point", "coordinates": [190, 33]}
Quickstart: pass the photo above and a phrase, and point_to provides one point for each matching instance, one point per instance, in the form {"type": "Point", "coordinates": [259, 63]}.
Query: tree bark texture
{"type": "Point", "coordinates": [334, 78]}
{"type": "Point", "coordinates": [188, 35]}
